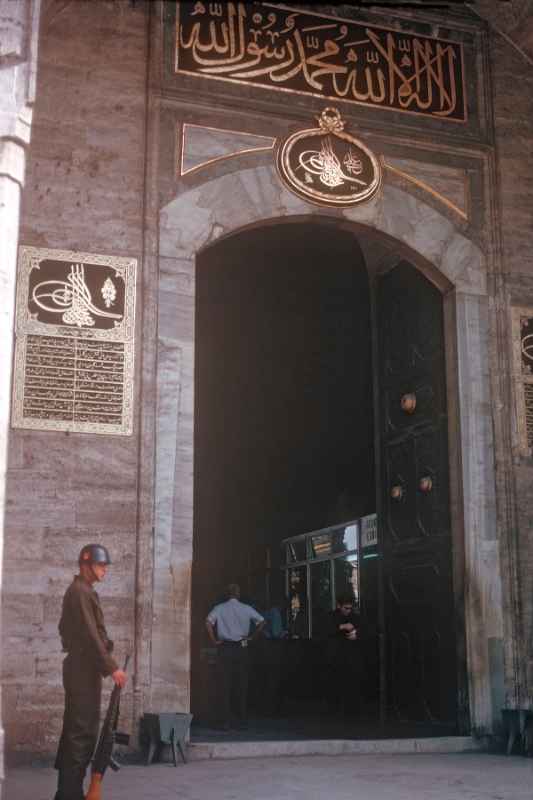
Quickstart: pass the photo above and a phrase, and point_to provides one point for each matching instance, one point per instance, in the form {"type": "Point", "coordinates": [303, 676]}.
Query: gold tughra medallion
{"type": "Point", "coordinates": [328, 166]}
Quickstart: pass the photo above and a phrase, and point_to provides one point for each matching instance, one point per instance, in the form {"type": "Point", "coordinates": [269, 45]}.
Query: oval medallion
{"type": "Point", "coordinates": [327, 166]}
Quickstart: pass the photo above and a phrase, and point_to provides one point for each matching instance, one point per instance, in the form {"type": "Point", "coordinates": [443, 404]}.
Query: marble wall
{"type": "Point", "coordinates": [512, 92]}
{"type": "Point", "coordinates": [103, 175]}
{"type": "Point", "coordinates": [84, 191]}
{"type": "Point", "coordinates": [19, 37]}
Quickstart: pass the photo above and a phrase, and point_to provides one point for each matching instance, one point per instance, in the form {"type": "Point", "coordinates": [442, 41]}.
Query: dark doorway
{"type": "Point", "coordinates": [284, 433]}
{"type": "Point", "coordinates": [284, 445]}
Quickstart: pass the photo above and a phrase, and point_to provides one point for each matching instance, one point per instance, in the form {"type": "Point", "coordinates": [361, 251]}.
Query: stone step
{"type": "Point", "coordinates": [202, 751]}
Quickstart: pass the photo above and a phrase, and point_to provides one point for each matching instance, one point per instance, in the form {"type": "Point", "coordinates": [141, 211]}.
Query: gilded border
{"type": "Point", "coordinates": [520, 378]}
{"type": "Point", "coordinates": [123, 333]}
{"type": "Point", "coordinates": [225, 156]}
{"type": "Point", "coordinates": [29, 257]}
{"type": "Point", "coordinates": [316, 197]}
{"type": "Point", "coordinates": [464, 121]}
{"type": "Point", "coordinates": [427, 188]}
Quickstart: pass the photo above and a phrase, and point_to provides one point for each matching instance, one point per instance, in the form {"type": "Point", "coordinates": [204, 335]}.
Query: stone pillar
{"type": "Point", "coordinates": [19, 26]}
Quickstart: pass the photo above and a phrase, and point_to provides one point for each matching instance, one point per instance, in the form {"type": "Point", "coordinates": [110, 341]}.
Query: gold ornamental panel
{"type": "Point", "coordinates": [522, 331]}
{"type": "Point", "coordinates": [328, 166]}
{"type": "Point", "coordinates": [288, 49]}
{"type": "Point", "coordinates": [74, 350]}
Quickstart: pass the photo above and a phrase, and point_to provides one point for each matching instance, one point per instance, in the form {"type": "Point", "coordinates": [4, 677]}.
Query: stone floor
{"type": "Point", "coordinates": [469, 776]}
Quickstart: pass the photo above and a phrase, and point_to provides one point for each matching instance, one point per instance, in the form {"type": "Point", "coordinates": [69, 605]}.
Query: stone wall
{"type": "Point", "coordinates": [103, 150]}
{"type": "Point", "coordinates": [513, 115]}
{"type": "Point", "coordinates": [19, 37]}
{"type": "Point", "coordinates": [84, 191]}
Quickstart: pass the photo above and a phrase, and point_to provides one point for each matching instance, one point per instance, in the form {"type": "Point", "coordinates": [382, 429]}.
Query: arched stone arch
{"type": "Point", "coordinates": [226, 204]}
{"type": "Point", "coordinates": [235, 200]}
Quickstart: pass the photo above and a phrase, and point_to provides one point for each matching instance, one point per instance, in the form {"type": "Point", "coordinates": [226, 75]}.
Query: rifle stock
{"type": "Point", "coordinates": [95, 787]}
{"type": "Point", "coordinates": [103, 755]}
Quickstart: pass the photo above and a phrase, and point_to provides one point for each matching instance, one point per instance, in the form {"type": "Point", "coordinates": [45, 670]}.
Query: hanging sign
{"type": "Point", "coordinates": [328, 166]}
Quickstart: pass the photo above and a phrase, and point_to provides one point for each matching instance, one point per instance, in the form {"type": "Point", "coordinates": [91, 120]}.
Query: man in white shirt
{"type": "Point", "coordinates": [228, 627]}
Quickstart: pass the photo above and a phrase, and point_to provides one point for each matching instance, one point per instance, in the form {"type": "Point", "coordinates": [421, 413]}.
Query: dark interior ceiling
{"type": "Point", "coordinates": [284, 438]}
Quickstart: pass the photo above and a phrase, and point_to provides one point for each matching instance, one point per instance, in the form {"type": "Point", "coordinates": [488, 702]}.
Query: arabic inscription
{"type": "Point", "coordinates": [522, 323]}
{"type": "Point", "coordinates": [74, 346]}
{"type": "Point", "coordinates": [328, 166]}
{"type": "Point", "coordinates": [283, 48]}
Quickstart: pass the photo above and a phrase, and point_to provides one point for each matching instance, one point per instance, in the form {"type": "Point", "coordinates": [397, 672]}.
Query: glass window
{"type": "Point", "coordinates": [345, 538]}
{"type": "Point", "coordinates": [347, 577]}
{"type": "Point", "coordinates": [296, 551]}
{"type": "Point", "coordinates": [321, 599]}
{"type": "Point", "coordinates": [320, 545]}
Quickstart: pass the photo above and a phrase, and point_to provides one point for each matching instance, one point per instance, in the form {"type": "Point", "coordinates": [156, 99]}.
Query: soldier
{"type": "Point", "coordinates": [84, 639]}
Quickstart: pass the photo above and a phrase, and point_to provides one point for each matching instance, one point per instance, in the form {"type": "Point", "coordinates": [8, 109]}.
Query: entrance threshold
{"type": "Point", "coordinates": [203, 751]}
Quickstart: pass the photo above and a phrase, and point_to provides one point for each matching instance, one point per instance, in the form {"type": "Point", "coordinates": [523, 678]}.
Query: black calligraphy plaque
{"type": "Point", "coordinates": [526, 354]}
{"type": "Point", "coordinates": [526, 344]}
{"type": "Point", "coordinates": [522, 327]}
{"type": "Point", "coordinates": [73, 380]}
{"type": "Point", "coordinates": [295, 51]}
{"type": "Point", "coordinates": [82, 295]}
{"type": "Point", "coordinates": [75, 345]}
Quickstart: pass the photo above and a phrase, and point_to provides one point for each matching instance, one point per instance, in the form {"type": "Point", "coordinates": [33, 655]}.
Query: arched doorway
{"type": "Point", "coordinates": [290, 412]}
{"type": "Point", "coordinates": [392, 226]}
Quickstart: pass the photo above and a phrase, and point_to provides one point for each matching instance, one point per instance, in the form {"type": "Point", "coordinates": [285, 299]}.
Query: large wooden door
{"type": "Point", "coordinates": [416, 541]}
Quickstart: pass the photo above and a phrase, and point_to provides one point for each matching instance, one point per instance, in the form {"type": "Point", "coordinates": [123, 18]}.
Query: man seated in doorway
{"type": "Point", "coordinates": [228, 627]}
{"type": "Point", "coordinates": [344, 657]}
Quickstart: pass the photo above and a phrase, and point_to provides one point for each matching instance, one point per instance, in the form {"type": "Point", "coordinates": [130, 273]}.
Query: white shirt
{"type": "Point", "coordinates": [232, 619]}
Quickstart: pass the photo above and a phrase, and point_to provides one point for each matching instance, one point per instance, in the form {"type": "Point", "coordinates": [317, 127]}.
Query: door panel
{"type": "Point", "coordinates": [400, 478]}
{"type": "Point", "coordinates": [416, 543]}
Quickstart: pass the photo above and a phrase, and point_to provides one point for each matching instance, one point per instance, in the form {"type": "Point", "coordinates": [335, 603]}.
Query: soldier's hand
{"type": "Point", "coordinates": [119, 677]}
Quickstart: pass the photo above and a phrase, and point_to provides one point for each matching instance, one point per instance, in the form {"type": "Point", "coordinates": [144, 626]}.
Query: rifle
{"type": "Point", "coordinates": [109, 736]}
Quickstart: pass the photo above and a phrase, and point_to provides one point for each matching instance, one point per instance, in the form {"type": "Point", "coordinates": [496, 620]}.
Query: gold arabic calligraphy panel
{"type": "Point", "coordinates": [286, 49]}
{"type": "Point", "coordinates": [522, 326]}
{"type": "Point", "coordinates": [74, 342]}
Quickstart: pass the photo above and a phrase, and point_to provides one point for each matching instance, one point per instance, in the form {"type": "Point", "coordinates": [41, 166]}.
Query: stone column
{"type": "Point", "coordinates": [19, 26]}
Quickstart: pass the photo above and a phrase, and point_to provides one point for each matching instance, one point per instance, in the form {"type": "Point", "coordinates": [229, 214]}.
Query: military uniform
{"type": "Point", "coordinates": [88, 648]}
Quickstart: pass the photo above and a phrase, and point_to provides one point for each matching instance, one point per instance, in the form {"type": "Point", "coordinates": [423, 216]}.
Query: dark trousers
{"type": "Point", "coordinates": [82, 684]}
{"type": "Point", "coordinates": [232, 673]}
{"type": "Point", "coordinates": [344, 677]}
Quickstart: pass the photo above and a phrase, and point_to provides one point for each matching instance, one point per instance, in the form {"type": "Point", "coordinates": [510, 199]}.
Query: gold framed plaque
{"type": "Point", "coordinates": [74, 349]}
{"type": "Point", "coordinates": [297, 51]}
{"type": "Point", "coordinates": [522, 332]}
{"type": "Point", "coordinates": [328, 166]}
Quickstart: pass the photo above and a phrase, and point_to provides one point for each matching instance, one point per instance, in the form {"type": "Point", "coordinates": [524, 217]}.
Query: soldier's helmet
{"type": "Point", "coordinates": [94, 554]}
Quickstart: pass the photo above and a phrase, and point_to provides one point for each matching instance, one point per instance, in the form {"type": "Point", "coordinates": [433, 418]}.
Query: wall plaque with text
{"type": "Point", "coordinates": [74, 349]}
{"type": "Point", "coordinates": [278, 47]}
{"type": "Point", "coordinates": [523, 373]}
